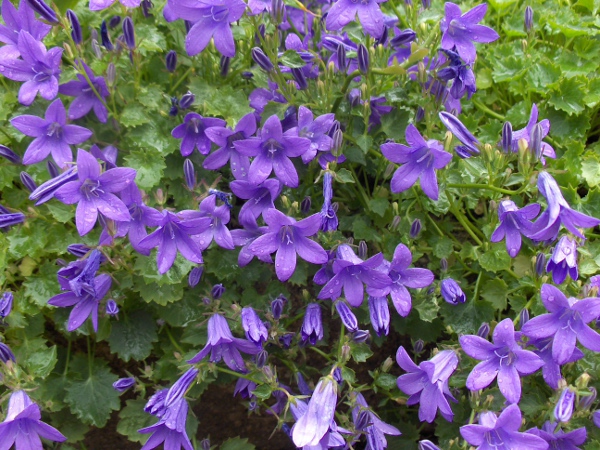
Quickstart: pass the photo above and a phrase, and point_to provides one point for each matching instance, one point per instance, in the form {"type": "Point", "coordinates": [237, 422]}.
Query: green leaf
{"type": "Point", "coordinates": [568, 95]}
{"type": "Point", "coordinates": [344, 176]}
{"type": "Point", "coordinates": [427, 308]}
{"type": "Point", "coordinates": [155, 293]}
{"type": "Point", "coordinates": [360, 352]}
{"type": "Point", "coordinates": [133, 115]}
{"type": "Point", "coordinates": [263, 391]}
{"type": "Point", "coordinates": [149, 39]}
{"type": "Point", "coordinates": [237, 443]}
{"type": "Point", "coordinates": [292, 59]}
{"type": "Point", "coordinates": [222, 100]}
{"type": "Point", "coordinates": [61, 212]}
{"type": "Point", "coordinates": [379, 205]}
{"type": "Point", "coordinates": [132, 418]}
{"type": "Point", "coordinates": [468, 317]}
{"type": "Point", "coordinates": [495, 291]}
{"type": "Point", "coordinates": [364, 142]}
{"type": "Point", "coordinates": [386, 381]}
{"type": "Point", "coordinates": [496, 258]}
{"type": "Point", "coordinates": [363, 229]}
{"type": "Point", "coordinates": [590, 169]}
{"type": "Point", "coordinates": [42, 361]}
{"type": "Point", "coordinates": [29, 239]}
{"type": "Point", "coordinates": [443, 247]}
{"type": "Point", "coordinates": [132, 337]}
{"type": "Point", "coordinates": [40, 288]}
{"type": "Point", "coordinates": [149, 166]}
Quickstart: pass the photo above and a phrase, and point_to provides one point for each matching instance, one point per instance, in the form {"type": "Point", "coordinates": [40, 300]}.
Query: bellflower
{"type": "Point", "coordinates": [461, 75]}
{"type": "Point", "coordinates": [451, 292]}
{"type": "Point", "coordinates": [342, 12]}
{"type": "Point", "coordinates": [85, 281]}
{"type": "Point", "coordinates": [566, 323]}
{"type": "Point", "coordinates": [461, 30]}
{"type": "Point", "coordinates": [122, 384]}
{"type": "Point", "coordinates": [52, 135]}
{"type": "Point", "coordinates": [419, 161]}
{"type": "Point", "coordinates": [272, 152]}
{"type": "Point", "coordinates": [224, 138]}
{"type": "Point", "coordinates": [260, 198]}
{"type": "Point", "coordinates": [526, 133]}
{"type": "Point", "coordinates": [22, 426]}
{"type": "Point", "coordinates": [558, 439]}
{"type": "Point", "coordinates": [8, 219]}
{"type": "Point", "coordinates": [379, 314]}
{"type": "Point", "coordinates": [312, 327]}
{"type": "Point", "coordinates": [94, 192]}
{"type": "Point", "coordinates": [6, 301]}
{"type": "Point", "coordinates": [170, 429]}
{"type": "Point", "coordinates": [564, 407]}
{"type": "Point", "coordinates": [288, 237]}
{"type": "Point", "coordinates": [222, 345]}
{"type": "Point", "coordinates": [339, 46]}
{"type": "Point", "coordinates": [174, 234]}
{"type": "Point", "coordinates": [99, 5]}
{"type": "Point", "coordinates": [504, 359]}
{"type": "Point", "coordinates": [85, 98]}
{"type": "Point", "coordinates": [547, 226]}
{"type": "Point", "coordinates": [192, 133]}
{"type": "Point", "coordinates": [17, 20]}
{"type": "Point", "coordinates": [316, 131]}
{"type": "Point", "coordinates": [315, 422]}
{"type": "Point", "coordinates": [254, 327]}
{"type": "Point", "coordinates": [427, 445]}
{"type": "Point", "coordinates": [501, 432]}
{"type": "Point", "coordinates": [351, 274]}
{"type": "Point", "coordinates": [563, 260]}
{"type": "Point", "coordinates": [375, 429]}
{"type": "Point", "coordinates": [513, 223]}
{"type": "Point", "coordinates": [458, 129]}
{"type": "Point", "coordinates": [333, 436]}
{"type": "Point", "coordinates": [38, 68]}
{"type": "Point", "coordinates": [245, 237]}
{"type": "Point", "coordinates": [219, 217]}
{"type": "Point", "coordinates": [427, 383]}
{"type": "Point", "coordinates": [329, 220]}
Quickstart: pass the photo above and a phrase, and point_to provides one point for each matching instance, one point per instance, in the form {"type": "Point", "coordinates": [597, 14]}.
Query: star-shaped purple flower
{"type": "Point", "coordinates": [551, 369]}
{"type": "Point", "coordinates": [419, 161]}
{"type": "Point", "coordinates": [192, 133]}
{"type": "Point", "coordinates": [316, 131]}
{"type": "Point", "coordinates": [52, 135]}
{"type": "Point", "coordinates": [288, 238]}
{"type": "Point", "coordinates": [259, 198]}
{"type": "Point", "coordinates": [244, 237]}
{"type": "Point", "coordinates": [513, 223]}
{"type": "Point", "coordinates": [504, 359]}
{"type": "Point", "coordinates": [272, 152]}
{"type": "Point", "coordinates": [563, 260]}
{"type": "Point", "coordinates": [546, 149]}
{"type": "Point", "coordinates": [315, 422]}
{"type": "Point", "coordinates": [369, 13]}
{"type": "Point", "coordinates": [566, 323]}
{"type": "Point", "coordinates": [17, 20]}
{"type": "Point", "coordinates": [461, 30]}
{"type": "Point", "coordinates": [558, 439]}
{"type": "Point", "coordinates": [376, 428]}
{"type": "Point", "coordinates": [219, 217]}
{"type": "Point", "coordinates": [95, 192]}
{"type": "Point", "coordinates": [85, 98]}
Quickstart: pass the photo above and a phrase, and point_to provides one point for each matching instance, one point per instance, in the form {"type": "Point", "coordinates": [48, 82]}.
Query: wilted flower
{"type": "Point", "coordinates": [254, 327]}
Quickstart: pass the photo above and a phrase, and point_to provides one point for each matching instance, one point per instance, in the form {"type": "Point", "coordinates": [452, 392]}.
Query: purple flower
{"type": "Point", "coordinates": [547, 226]}
{"type": "Point", "coordinates": [222, 345]}
{"type": "Point", "coordinates": [84, 280]}
{"type": "Point", "coordinates": [272, 152]}
{"type": "Point", "coordinates": [513, 223]}
{"type": "Point", "coordinates": [173, 234]}
{"type": "Point", "coordinates": [427, 383]}
{"type": "Point", "coordinates": [419, 161]}
{"type": "Point", "coordinates": [461, 75]}
{"type": "Point", "coordinates": [23, 427]}
{"type": "Point", "coordinates": [451, 292]}
{"type": "Point", "coordinates": [288, 237]}
{"type": "Point", "coordinates": [379, 314]}
{"type": "Point", "coordinates": [259, 197]}
{"type": "Point", "coordinates": [315, 422]}
{"type": "Point", "coordinates": [329, 220]}
{"type": "Point", "coordinates": [376, 429]}
{"type": "Point", "coordinates": [179, 388]}
{"type": "Point", "coordinates": [563, 260]}
{"type": "Point", "coordinates": [254, 327]}
{"type": "Point", "coordinates": [38, 68]}
{"type": "Point", "coordinates": [122, 384]}
{"type": "Point", "coordinates": [351, 273]}
{"type": "Point", "coordinates": [8, 219]}
{"type": "Point", "coordinates": [245, 237]}
{"type": "Point", "coordinates": [596, 418]}
{"type": "Point", "coordinates": [192, 133]}
{"type": "Point", "coordinates": [316, 131]}
{"type": "Point", "coordinates": [94, 192]}
{"type": "Point", "coordinates": [503, 431]}
{"type": "Point", "coordinates": [312, 327]}
{"type": "Point", "coordinates": [6, 353]}
{"type": "Point", "coordinates": [15, 21]}
{"type": "Point", "coordinates": [219, 217]}
{"type": "Point", "coordinates": [461, 30]}
{"type": "Point", "coordinates": [504, 359]}
{"type": "Point", "coordinates": [526, 134]}
{"type": "Point", "coordinates": [170, 429]}
{"type": "Point", "coordinates": [52, 135]}
{"type": "Point", "coordinates": [369, 13]}
{"type": "Point", "coordinates": [347, 316]}
{"type": "Point", "coordinates": [6, 302]}
{"type": "Point", "coordinates": [427, 445]}
{"type": "Point", "coordinates": [566, 322]}
{"type": "Point", "coordinates": [85, 97]}
{"type": "Point", "coordinates": [558, 439]}
{"type": "Point", "coordinates": [224, 138]}
{"type": "Point", "coordinates": [564, 407]}
{"type": "Point", "coordinates": [98, 5]}
{"type": "Point", "coordinates": [458, 129]}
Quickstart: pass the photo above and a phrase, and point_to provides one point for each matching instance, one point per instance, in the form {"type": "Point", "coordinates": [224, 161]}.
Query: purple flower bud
{"type": "Point", "coordinates": [337, 375]}
{"type": "Point", "coordinates": [6, 353]}
{"type": "Point", "coordinates": [111, 74]}
{"type": "Point", "coordinates": [277, 307]}
{"type": "Point", "coordinates": [187, 100]}
{"type": "Point", "coordinates": [354, 97]}
{"type": "Point", "coordinates": [7, 153]}
{"type": "Point", "coordinates": [10, 219]}
{"type": "Point", "coordinates": [300, 78]}
{"type": "Point", "coordinates": [596, 418]}
{"type": "Point", "coordinates": [114, 21]}
{"type": "Point", "coordinates": [457, 128]}
{"type": "Point", "coordinates": [261, 59]}
{"type": "Point", "coordinates": [342, 61]}
{"type": "Point", "coordinates": [247, 75]}
{"type": "Point", "coordinates": [452, 292]}
{"type": "Point", "coordinates": [418, 346]}
{"type": "Point", "coordinates": [106, 42]}
{"type": "Point", "coordinates": [380, 315]}
{"type": "Point", "coordinates": [261, 358]}
{"type": "Point", "coordinates": [312, 327]}
{"type": "Point", "coordinates": [420, 114]}
{"type": "Point", "coordinates": [427, 445]}
{"type": "Point", "coordinates": [122, 384]}
{"type": "Point", "coordinates": [484, 330]}
{"type": "Point", "coordinates": [403, 38]}
{"type": "Point", "coordinates": [27, 181]}
{"type": "Point", "coordinates": [52, 168]}
{"type": "Point", "coordinates": [363, 58]}
{"type": "Point", "coordinates": [129, 33]}
{"type": "Point", "coordinates": [564, 408]}
{"type": "Point", "coordinates": [303, 385]}
{"type": "Point", "coordinates": [286, 340]}
{"type": "Point", "coordinates": [338, 140]}
{"type": "Point", "coordinates": [465, 152]}
{"type": "Point", "coordinates": [586, 401]}
{"type": "Point", "coordinates": [194, 276]}
{"type": "Point", "coordinates": [528, 19]}
{"type": "Point", "coordinates": [76, 32]}
{"type": "Point", "coordinates": [305, 205]}
{"type": "Point", "coordinates": [361, 336]}
{"type": "Point", "coordinates": [443, 264]}
{"type": "Point", "coordinates": [384, 36]}
{"type": "Point", "coordinates": [524, 316]}
{"type": "Point", "coordinates": [171, 61]}
{"type": "Point", "coordinates": [6, 302]}
{"type": "Point", "coordinates": [78, 250]}
{"type": "Point", "coordinates": [363, 419]}
{"type": "Point", "coordinates": [254, 327]}
{"type": "Point", "coordinates": [507, 133]}
{"type": "Point", "coordinates": [217, 291]}
{"type": "Point", "coordinates": [348, 318]}
{"type": "Point", "coordinates": [205, 444]}
{"type": "Point", "coordinates": [540, 264]}
{"type": "Point", "coordinates": [415, 229]}
{"type": "Point", "coordinates": [156, 403]}
{"type": "Point", "coordinates": [277, 11]}
{"type": "Point", "coordinates": [177, 391]}
{"type": "Point", "coordinates": [112, 309]}
{"type": "Point", "coordinates": [43, 10]}
{"type": "Point", "coordinates": [189, 174]}
{"type": "Point", "coordinates": [146, 5]}
{"type": "Point", "coordinates": [362, 250]}
{"type": "Point", "coordinates": [224, 65]}
{"type": "Point", "coordinates": [535, 142]}
{"type": "Point", "coordinates": [174, 106]}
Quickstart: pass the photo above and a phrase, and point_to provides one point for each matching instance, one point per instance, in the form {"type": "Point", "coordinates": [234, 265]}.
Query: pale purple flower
{"type": "Point", "coordinates": [217, 231]}
{"type": "Point", "coordinates": [170, 429]}
{"type": "Point", "coordinates": [52, 135]}
{"type": "Point", "coordinates": [288, 238]}
{"type": "Point", "coordinates": [526, 133]}
{"type": "Point", "coordinates": [375, 429]}
{"type": "Point", "coordinates": [502, 431]}
{"type": "Point", "coordinates": [17, 20]}
{"type": "Point", "coordinates": [419, 160]}
{"type": "Point", "coordinates": [558, 439]}
{"type": "Point", "coordinates": [427, 383]}
{"type": "Point", "coordinates": [566, 323]}
{"type": "Point", "coordinates": [38, 68]}
{"type": "Point", "coordinates": [379, 313]}
{"type": "Point", "coordinates": [192, 133]}
{"type": "Point", "coordinates": [563, 261]}
{"type": "Point", "coordinates": [222, 345]}
{"type": "Point", "coordinates": [260, 198]}
{"type": "Point", "coordinates": [513, 223]}
{"type": "Point", "coordinates": [254, 327]}
{"type": "Point", "coordinates": [22, 426]}
{"type": "Point", "coordinates": [564, 407]}
{"type": "Point", "coordinates": [369, 13]}
{"type": "Point", "coordinates": [504, 359]}
{"type": "Point", "coordinates": [312, 326]}
{"type": "Point", "coordinates": [310, 428]}
{"type": "Point", "coordinates": [85, 98]}
{"type": "Point", "coordinates": [461, 30]}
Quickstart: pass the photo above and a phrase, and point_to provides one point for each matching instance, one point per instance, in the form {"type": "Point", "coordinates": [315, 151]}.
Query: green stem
{"type": "Point", "coordinates": [482, 186]}
{"type": "Point", "coordinates": [181, 79]}
{"type": "Point", "coordinates": [463, 221]}
{"type": "Point", "coordinates": [487, 110]}
{"type": "Point", "coordinates": [173, 341]}
{"type": "Point", "coordinates": [67, 359]}
{"type": "Point", "coordinates": [90, 359]}
{"type": "Point", "coordinates": [239, 375]}
{"type": "Point", "coordinates": [476, 293]}
{"type": "Point", "coordinates": [320, 352]}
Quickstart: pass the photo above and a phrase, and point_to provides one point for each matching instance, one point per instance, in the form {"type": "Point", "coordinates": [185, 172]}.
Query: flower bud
{"type": "Point", "coordinates": [261, 358]}
{"type": "Point", "coordinates": [312, 327]}
{"type": "Point", "coordinates": [342, 61]}
{"type": "Point", "coordinates": [106, 42]}
{"type": "Point", "coordinates": [286, 340]}
{"type": "Point", "coordinates": [129, 33]}
{"type": "Point", "coordinates": [379, 313]}
{"type": "Point", "coordinates": [194, 276]}
{"type": "Point", "coordinates": [337, 375]}
{"type": "Point", "coordinates": [76, 32]}
{"type": "Point", "coordinates": [528, 19]}
{"type": "Point", "coordinates": [6, 302]}
{"type": "Point", "coordinates": [362, 420]}
{"type": "Point", "coordinates": [300, 78]}
{"type": "Point", "coordinates": [363, 58]}
{"type": "Point", "coordinates": [540, 264]}
{"type": "Point", "coordinates": [420, 114]}
{"type": "Point", "coordinates": [564, 408]}
{"type": "Point", "coordinates": [78, 250]}
{"type": "Point", "coordinates": [171, 61]}
{"type": "Point", "coordinates": [7, 153]}
{"type": "Point", "coordinates": [111, 75]}
{"type": "Point", "coordinates": [247, 75]}
{"type": "Point", "coordinates": [415, 229]}
{"type": "Point", "coordinates": [362, 250]}
{"type": "Point", "coordinates": [261, 59]}
{"type": "Point", "coordinates": [348, 318]}
{"type": "Point", "coordinates": [451, 292]}
{"type": "Point", "coordinates": [277, 307]}
{"type": "Point", "coordinates": [427, 445]}
{"type": "Point", "coordinates": [535, 142]}
{"type": "Point", "coordinates": [44, 11]}
{"type": "Point", "coordinates": [305, 205]}
{"type": "Point", "coordinates": [205, 444]}
{"type": "Point", "coordinates": [6, 353]}
{"type": "Point", "coordinates": [189, 174]}
{"type": "Point", "coordinates": [382, 40]}
{"type": "Point", "coordinates": [112, 309]}
{"type": "Point", "coordinates": [46, 190]}
{"type": "Point", "coordinates": [254, 327]}
{"type": "Point", "coordinates": [443, 264]}
{"type": "Point", "coordinates": [418, 346]}
{"type": "Point", "coordinates": [524, 316]}
{"type": "Point", "coordinates": [457, 128]}
{"type": "Point", "coordinates": [586, 401]}
{"type": "Point", "coordinates": [187, 100]}
{"type": "Point", "coordinates": [27, 181]}
{"type": "Point", "coordinates": [122, 384]}
{"type": "Point", "coordinates": [217, 291]}
{"type": "Point", "coordinates": [403, 38]}
{"type": "Point", "coordinates": [224, 64]}
{"type": "Point", "coordinates": [114, 21]}
{"type": "Point", "coordinates": [484, 330]}
{"type": "Point", "coordinates": [146, 5]}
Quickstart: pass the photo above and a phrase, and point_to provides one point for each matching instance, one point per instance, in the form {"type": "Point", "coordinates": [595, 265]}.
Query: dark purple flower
{"type": "Point", "coordinates": [427, 383]}
{"type": "Point", "coordinates": [192, 133]}
{"type": "Point", "coordinates": [85, 97]}
{"type": "Point", "coordinates": [596, 418]}
{"type": "Point", "coordinates": [170, 429]}
{"type": "Point", "coordinates": [6, 353]}
{"type": "Point", "coordinates": [122, 384]}
{"type": "Point", "coordinates": [76, 32]}
{"type": "Point", "coordinates": [504, 359]}
{"type": "Point", "coordinates": [52, 135]}
{"type": "Point", "coordinates": [171, 60]}
{"type": "Point", "coordinates": [27, 181]}
{"type": "Point", "coordinates": [316, 130]}
{"type": "Point", "coordinates": [513, 223]}
{"type": "Point", "coordinates": [277, 306]}
{"type": "Point", "coordinates": [17, 20]}
{"type": "Point", "coordinates": [503, 431]}
{"type": "Point", "coordinates": [112, 309]}
{"type": "Point", "coordinates": [9, 155]}
{"type": "Point", "coordinates": [312, 327]}
{"type": "Point", "coordinates": [461, 75]}
{"type": "Point", "coordinates": [461, 30]}
{"type": "Point", "coordinates": [363, 58]}
{"type": "Point", "coordinates": [419, 161]}
{"type": "Point", "coordinates": [254, 327]}
{"type": "Point", "coordinates": [506, 138]}
{"type": "Point", "coordinates": [342, 12]}
{"type": "Point", "coordinates": [187, 100]}
{"type": "Point", "coordinates": [558, 439]}
{"type": "Point", "coordinates": [222, 345]}
{"type": "Point", "coordinates": [310, 428]}
{"type": "Point", "coordinates": [217, 230]}
{"type": "Point", "coordinates": [129, 33]}
{"type": "Point", "coordinates": [45, 11]}
{"type": "Point", "coordinates": [526, 133]}
{"type": "Point", "coordinates": [379, 313]}
{"type": "Point", "coordinates": [94, 192]}
{"type": "Point", "coordinates": [8, 219]}
{"type": "Point", "coordinates": [6, 301]}
{"type": "Point", "coordinates": [329, 220]}
{"type": "Point", "coordinates": [244, 388]}
{"type": "Point", "coordinates": [563, 260]}
{"type": "Point", "coordinates": [566, 322]}
{"type": "Point", "coordinates": [374, 428]}
{"type": "Point", "coordinates": [458, 129]}
{"type": "Point", "coordinates": [288, 237]}
{"type": "Point", "coordinates": [217, 291]}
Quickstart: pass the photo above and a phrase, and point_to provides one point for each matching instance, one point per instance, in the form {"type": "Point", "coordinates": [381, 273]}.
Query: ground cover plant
{"type": "Point", "coordinates": [378, 220]}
